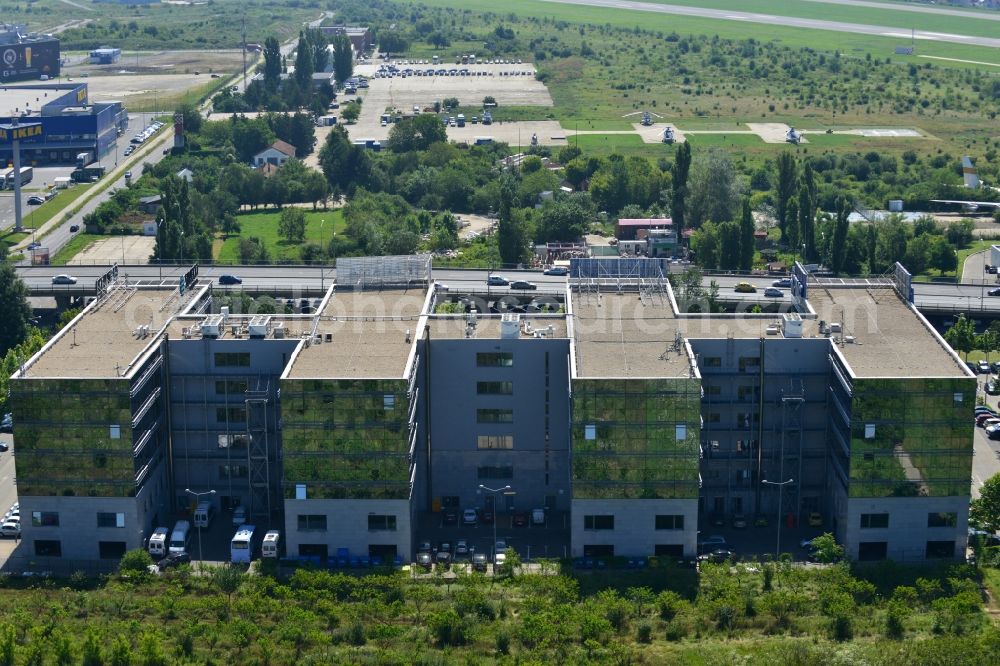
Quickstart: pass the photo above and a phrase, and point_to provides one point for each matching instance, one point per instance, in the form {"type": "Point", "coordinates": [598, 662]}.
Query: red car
{"type": "Point", "coordinates": [520, 519]}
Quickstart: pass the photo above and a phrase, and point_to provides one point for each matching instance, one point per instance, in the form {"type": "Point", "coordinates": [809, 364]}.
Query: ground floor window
{"type": "Point", "coordinates": [48, 548]}
{"type": "Point", "coordinates": [940, 550]}
{"type": "Point", "coordinates": [598, 551]}
{"type": "Point", "coordinates": [675, 550]}
{"type": "Point", "coordinates": [313, 550]}
{"type": "Point", "coordinates": [386, 551]}
{"type": "Point", "coordinates": [111, 550]}
{"type": "Point", "coordinates": [869, 551]}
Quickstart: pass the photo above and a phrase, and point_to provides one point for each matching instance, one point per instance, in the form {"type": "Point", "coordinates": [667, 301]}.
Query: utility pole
{"type": "Point", "coordinates": [243, 29]}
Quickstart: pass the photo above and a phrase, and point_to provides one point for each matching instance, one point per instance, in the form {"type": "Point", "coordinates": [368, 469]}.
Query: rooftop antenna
{"type": "Point", "coordinates": [74, 338]}
{"type": "Point", "coordinates": [243, 30]}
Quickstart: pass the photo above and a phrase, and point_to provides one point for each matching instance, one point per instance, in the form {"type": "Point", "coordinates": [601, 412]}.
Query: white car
{"type": "Point", "coordinates": [239, 516]}
{"type": "Point", "coordinates": [470, 517]}
{"type": "Point", "coordinates": [10, 529]}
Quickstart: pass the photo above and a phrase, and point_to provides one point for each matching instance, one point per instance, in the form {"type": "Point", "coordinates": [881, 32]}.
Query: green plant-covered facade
{"type": "Point", "coordinates": [346, 438]}
{"type": "Point", "coordinates": [636, 438]}
{"type": "Point", "coordinates": [74, 437]}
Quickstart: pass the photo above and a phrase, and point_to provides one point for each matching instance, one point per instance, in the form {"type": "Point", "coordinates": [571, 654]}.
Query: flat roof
{"type": "Point", "coordinates": [645, 222]}
{"type": "Point", "coordinates": [890, 338]}
{"type": "Point", "coordinates": [102, 342]}
{"type": "Point", "coordinates": [623, 335]}
{"type": "Point", "coordinates": [488, 327]}
{"type": "Point", "coordinates": [15, 99]}
{"type": "Point", "coordinates": [363, 336]}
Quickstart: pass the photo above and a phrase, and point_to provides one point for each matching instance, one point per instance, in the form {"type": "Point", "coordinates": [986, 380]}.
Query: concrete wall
{"type": "Point", "coordinates": [347, 525]}
{"type": "Point", "coordinates": [540, 456]}
{"type": "Point", "coordinates": [634, 532]}
{"type": "Point", "coordinates": [907, 534]}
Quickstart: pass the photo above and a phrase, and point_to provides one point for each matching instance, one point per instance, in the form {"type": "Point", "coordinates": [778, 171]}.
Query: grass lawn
{"type": "Point", "coordinates": [265, 226]}
{"type": "Point", "coordinates": [56, 205]}
{"type": "Point", "coordinates": [10, 238]}
{"type": "Point", "coordinates": [75, 246]}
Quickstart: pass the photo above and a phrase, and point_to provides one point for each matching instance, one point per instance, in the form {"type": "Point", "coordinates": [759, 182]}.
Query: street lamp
{"type": "Point", "coordinates": [781, 492]}
{"type": "Point", "coordinates": [198, 499]}
{"type": "Point", "coordinates": [495, 492]}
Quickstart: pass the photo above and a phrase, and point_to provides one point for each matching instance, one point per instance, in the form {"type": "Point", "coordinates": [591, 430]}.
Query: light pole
{"type": "Point", "coordinates": [495, 492]}
{"type": "Point", "coordinates": [197, 497]}
{"type": "Point", "coordinates": [781, 493]}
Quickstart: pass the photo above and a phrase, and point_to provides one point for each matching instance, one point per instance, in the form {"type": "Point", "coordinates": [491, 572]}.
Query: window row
{"type": "Point", "coordinates": [495, 359]}
{"type": "Point", "coordinates": [495, 442]}
{"type": "Point", "coordinates": [494, 416]}
{"type": "Point", "coordinates": [495, 388]}
{"type": "Point", "coordinates": [318, 522]}
{"type": "Point", "coordinates": [607, 522]}
{"type": "Point", "coordinates": [232, 359]}
{"type": "Point", "coordinates": [51, 519]}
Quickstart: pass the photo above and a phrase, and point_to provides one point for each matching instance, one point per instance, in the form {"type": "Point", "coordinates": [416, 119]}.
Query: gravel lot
{"type": "Point", "coordinates": [109, 250]}
{"type": "Point", "coordinates": [771, 132]}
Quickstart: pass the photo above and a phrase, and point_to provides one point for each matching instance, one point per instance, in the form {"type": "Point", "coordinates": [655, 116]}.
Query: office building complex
{"type": "Point", "coordinates": [631, 413]}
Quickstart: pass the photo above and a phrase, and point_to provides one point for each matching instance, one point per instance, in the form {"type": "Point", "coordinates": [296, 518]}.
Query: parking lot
{"type": "Point", "coordinates": [550, 540]}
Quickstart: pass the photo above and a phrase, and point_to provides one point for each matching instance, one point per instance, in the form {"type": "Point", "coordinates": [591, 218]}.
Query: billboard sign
{"type": "Point", "coordinates": [29, 60]}
{"type": "Point", "coordinates": [11, 133]}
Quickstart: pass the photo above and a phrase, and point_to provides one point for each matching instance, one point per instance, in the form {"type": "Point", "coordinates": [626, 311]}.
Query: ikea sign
{"type": "Point", "coordinates": [9, 133]}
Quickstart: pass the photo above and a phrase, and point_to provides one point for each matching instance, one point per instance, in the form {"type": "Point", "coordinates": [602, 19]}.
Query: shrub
{"type": "Point", "coordinates": [356, 634]}
{"type": "Point", "coordinates": [644, 633]}
{"type": "Point", "coordinates": [894, 616]}
{"type": "Point", "coordinates": [135, 563]}
{"type": "Point", "coordinates": [447, 628]}
{"type": "Point", "coordinates": [503, 642]}
{"type": "Point", "coordinates": [676, 630]}
{"type": "Point", "coordinates": [669, 603]}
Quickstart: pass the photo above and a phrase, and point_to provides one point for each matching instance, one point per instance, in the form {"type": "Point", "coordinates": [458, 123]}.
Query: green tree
{"type": "Point", "coordinates": [15, 312]}
{"type": "Point", "coordinates": [303, 64]}
{"type": "Point", "coordinates": [786, 187]}
{"type": "Point", "coordinates": [730, 249]}
{"type": "Point", "coordinates": [838, 247]}
{"type": "Point", "coordinates": [8, 645]}
{"type": "Point", "coordinates": [416, 133]}
{"type": "Point", "coordinates": [439, 40]}
{"type": "Point", "coordinates": [349, 113]}
{"type": "Point", "coordinates": [343, 58]}
{"type": "Point", "coordinates": [191, 117]}
{"type": "Point", "coordinates": [135, 562]}
{"type": "Point", "coordinates": [714, 191]}
{"type": "Point", "coordinates": [317, 49]}
{"type": "Point", "coordinates": [272, 64]}
{"type": "Point", "coordinates": [807, 230]}
{"type": "Point", "coordinates": [121, 652]}
{"type": "Point", "coordinates": [941, 255]}
{"type": "Point", "coordinates": [510, 238]}
{"type": "Point", "coordinates": [984, 511]}
{"type": "Point", "coordinates": [707, 245]}
{"type": "Point", "coordinates": [962, 335]}
{"type": "Point", "coordinates": [393, 41]}
{"type": "Point", "coordinates": [92, 652]}
{"type": "Point", "coordinates": [345, 165]}
{"type": "Point", "coordinates": [790, 234]}
{"type": "Point", "coordinates": [746, 236]}
{"type": "Point", "coordinates": [292, 224]}
{"type": "Point", "coordinates": [679, 172]}
{"type": "Point", "coordinates": [827, 549]}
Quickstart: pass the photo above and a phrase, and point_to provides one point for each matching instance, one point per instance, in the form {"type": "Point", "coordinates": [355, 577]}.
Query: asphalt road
{"type": "Point", "coordinates": [789, 21]}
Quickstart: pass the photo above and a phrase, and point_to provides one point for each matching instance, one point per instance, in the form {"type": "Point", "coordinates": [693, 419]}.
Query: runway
{"type": "Point", "coordinates": [789, 21]}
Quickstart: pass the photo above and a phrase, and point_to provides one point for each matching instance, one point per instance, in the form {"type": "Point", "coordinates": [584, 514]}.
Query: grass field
{"type": "Point", "coordinates": [75, 246]}
{"type": "Point", "coordinates": [265, 227]}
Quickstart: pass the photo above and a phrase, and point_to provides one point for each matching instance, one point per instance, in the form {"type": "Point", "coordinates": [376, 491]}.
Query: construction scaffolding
{"type": "Point", "coordinates": [383, 272]}
{"type": "Point", "coordinates": [260, 453]}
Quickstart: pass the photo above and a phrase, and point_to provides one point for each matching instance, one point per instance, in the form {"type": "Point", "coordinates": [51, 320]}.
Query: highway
{"type": "Point", "coordinates": [930, 297]}
{"type": "Point", "coordinates": [789, 21]}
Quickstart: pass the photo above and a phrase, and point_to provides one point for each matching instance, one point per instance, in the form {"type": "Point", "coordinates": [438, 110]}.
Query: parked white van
{"type": "Point", "coordinates": [158, 542]}
{"type": "Point", "coordinates": [179, 538]}
{"type": "Point", "coordinates": [271, 545]}
{"type": "Point", "coordinates": [204, 514]}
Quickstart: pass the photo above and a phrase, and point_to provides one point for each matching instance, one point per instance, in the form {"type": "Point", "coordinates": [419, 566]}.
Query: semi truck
{"type": "Point", "coordinates": [84, 159]}
{"type": "Point", "coordinates": [87, 174]}
{"type": "Point", "coordinates": [27, 173]}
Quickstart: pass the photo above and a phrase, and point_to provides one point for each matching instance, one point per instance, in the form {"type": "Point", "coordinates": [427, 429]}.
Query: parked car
{"type": "Point", "coordinates": [173, 560]}
{"type": "Point", "coordinates": [424, 547]}
{"type": "Point", "coordinates": [35, 200]}
{"type": "Point", "coordinates": [10, 529]}
{"type": "Point", "coordinates": [62, 278]}
{"type": "Point", "coordinates": [7, 423]}
{"type": "Point", "coordinates": [739, 521]}
{"type": "Point", "coordinates": [520, 519]}
{"type": "Point", "coordinates": [73, 228]}
{"type": "Point", "coordinates": [470, 517]}
{"type": "Point", "coordinates": [993, 434]}
{"type": "Point", "coordinates": [425, 560]}
{"type": "Point", "coordinates": [745, 288]}
{"type": "Point", "coordinates": [226, 278]}
{"type": "Point", "coordinates": [718, 555]}
{"type": "Point", "coordinates": [984, 368]}
{"type": "Point", "coordinates": [985, 420]}
{"type": "Point", "coordinates": [461, 548]}
{"type": "Point", "coordinates": [773, 292]}
{"type": "Point", "coordinates": [128, 175]}
{"type": "Point", "coordinates": [500, 548]}
{"type": "Point", "coordinates": [994, 292]}
{"type": "Point", "coordinates": [815, 519]}
{"type": "Point", "coordinates": [239, 516]}
{"type": "Point", "coordinates": [497, 281]}
{"type": "Point", "coordinates": [712, 542]}
{"type": "Point", "coordinates": [479, 561]}
{"type": "Point", "coordinates": [523, 284]}
{"type": "Point", "coordinates": [486, 516]}
{"type": "Point", "coordinates": [450, 517]}
{"type": "Point", "coordinates": [992, 388]}
{"type": "Point", "coordinates": [556, 270]}
{"type": "Point", "coordinates": [783, 282]}
{"type": "Point", "coordinates": [443, 555]}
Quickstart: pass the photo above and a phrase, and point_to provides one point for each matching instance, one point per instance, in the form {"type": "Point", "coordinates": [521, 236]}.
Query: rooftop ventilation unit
{"type": "Point", "coordinates": [213, 326]}
{"type": "Point", "coordinates": [792, 325]}
{"type": "Point", "coordinates": [279, 330]}
{"type": "Point", "coordinates": [510, 326]}
{"type": "Point", "coordinates": [259, 326]}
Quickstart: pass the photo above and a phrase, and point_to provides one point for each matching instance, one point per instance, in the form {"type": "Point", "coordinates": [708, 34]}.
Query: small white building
{"type": "Point", "coordinates": [277, 154]}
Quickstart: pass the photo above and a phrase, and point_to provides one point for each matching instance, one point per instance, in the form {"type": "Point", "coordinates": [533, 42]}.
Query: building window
{"type": "Point", "coordinates": [599, 550]}
{"type": "Point", "coordinates": [958, 398]}
{"type": "Point", "coordinates": [44, 519]}
{"type": "Point", "coordinates": [111, 550]}
{"type": "Point", "coordinates": [233, 472]}
{"type": "Point", "coordinates": [590, 432]}
{"type": "Point", "coordinates": [942, 519]}
{"type": "Point", "coordinates": [747, 392]}
{"type": "Point", "coordinates": [713, 389]}
{"type": "Point", "coordinates": [869, 551]}
{"type": "Point", "coordinates": [230, 414]}
{"type": "Point", "coordinates": [495, 359]}
{"type": "Point", "coordinates": [874, 520]}
{"type": "Point", "coordinates": [312, 523]}
{"type": "Point", "coordinates": [749, 363]}
{"type": "Point", "coordinates": [494, 415]}
{"type": "Point", "coordinates": [48, 548]}
{"type": "Point", "coordinates": [869, 431]}
{"type": "Point", "coordinates": [232, 359]}
{"type": "Point", "coordinates": [115, 431]}
{"type": "Point", "coordinates": [680, 432]}
{"type": "Point", "coordinates": [389, 402]}
{"type": "Point", "coordinates": [938, 550]}
{"type": "Point", "coordinates": [670, 522]}
{"type": "Point", "coordinates": [381, 522]}
{"type": "Point", "coordinates": [669, 550]}
{"type": "Point", "coordinates": [227, 386]}
{"type": "Point", "coordinates": [495, 472]}
{"type": "Point", "coordinates": [233, 441]}
{"type": "Point", "coordinates": [599, 522]}
{"type": "Point", "coordinates": [495, 442]}
{"type": "Point", "coordinates": [495, 388]}
{"type": "Point", "coordinates": [713, 362]}
{"type": "Point", "coordinates": [107, 519]}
